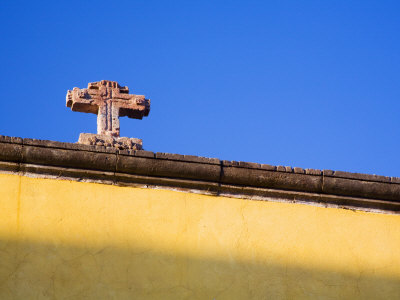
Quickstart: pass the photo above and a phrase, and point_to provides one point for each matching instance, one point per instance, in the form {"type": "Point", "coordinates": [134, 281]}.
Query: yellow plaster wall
{"type": "Point", "coordinates": [61, 239]}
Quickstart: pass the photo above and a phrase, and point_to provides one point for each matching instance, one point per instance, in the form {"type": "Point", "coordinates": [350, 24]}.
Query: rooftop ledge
{"type": "Point", "coordinates": [192, 173]}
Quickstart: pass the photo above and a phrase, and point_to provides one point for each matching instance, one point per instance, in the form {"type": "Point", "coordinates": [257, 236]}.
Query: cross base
{"type": "Point", "coordinates": [122, 143]}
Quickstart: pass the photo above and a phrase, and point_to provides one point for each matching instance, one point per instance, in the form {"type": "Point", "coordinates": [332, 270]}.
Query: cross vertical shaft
{"type": "Point", "coordinates": [108, 119]}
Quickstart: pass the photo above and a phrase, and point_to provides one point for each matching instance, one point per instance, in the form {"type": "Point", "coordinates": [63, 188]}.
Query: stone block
{"type": "Point", "coordinates": [328, 172]}
{"type": "Point", "coordinates": [268, 167]}
{"type": "Point", "coordinates": [71, 146]}
{"type": "Point", "coordinates": [68, 158]}
{"type": "Point", "coordinates": [10, 139]}
{"type": "Point", "coordinates": [395, 179]}
{"type": "Point", "coordinates": [313, 172]}
{"type": "Point", "coordinates": [200, 159]}
{"type": "Point", "coordinates": [289, 169]}
{"type": "Point", "coordinates": [169, 156]}
{"type": "Point", "coordinates": [298, 170]}
{"type": "Point", "coordinates": [230, 163]}
{"type": "Point", "coordinates": [271, 179]}
{"type": "Point", "coordinates": [11, 152]}
{"type": "Point", "coordinates": [361, 188]}
{"type": "Point", "coordinates": [143, 153]}
{"type": "Point", "coordinates": [167, 168]}
{"type": "Point", "coordinates": [121, 143]}
{"type": "Point", "coordinates": [44, 143]}
{"type": "Point", "coordinates": [249, 165]}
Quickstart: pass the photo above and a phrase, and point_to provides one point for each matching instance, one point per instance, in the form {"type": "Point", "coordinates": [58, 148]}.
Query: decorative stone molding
{"type": "Point", "coordinates": [110, 165]}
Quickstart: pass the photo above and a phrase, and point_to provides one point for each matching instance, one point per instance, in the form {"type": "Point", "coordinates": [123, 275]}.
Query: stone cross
{"type": "Point", "coordinates": [109, 101]}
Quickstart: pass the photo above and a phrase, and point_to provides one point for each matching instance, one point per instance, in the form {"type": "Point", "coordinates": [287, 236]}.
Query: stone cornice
{"type": "Point", "coordinates": [208, 175]}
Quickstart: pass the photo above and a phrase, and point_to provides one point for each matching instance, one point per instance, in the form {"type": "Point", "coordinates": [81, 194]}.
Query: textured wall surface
{"type": "Point", "coordinates": [63, 239]}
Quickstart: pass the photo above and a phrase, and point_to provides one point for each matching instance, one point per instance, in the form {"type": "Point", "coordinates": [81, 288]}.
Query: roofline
{"type": "Point", "coordinates": [207, 175]}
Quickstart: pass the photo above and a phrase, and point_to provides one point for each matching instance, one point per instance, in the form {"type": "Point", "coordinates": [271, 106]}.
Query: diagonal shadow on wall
{"type": "Point", "coordinates": [30, 270]}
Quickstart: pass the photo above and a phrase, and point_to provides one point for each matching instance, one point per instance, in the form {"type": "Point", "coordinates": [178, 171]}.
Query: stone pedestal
{"type": "Point", "coordinates": [123, 143]}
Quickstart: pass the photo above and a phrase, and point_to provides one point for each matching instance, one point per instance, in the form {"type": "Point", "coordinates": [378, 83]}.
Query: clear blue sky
{"type": "Point", "coordinates": [313, 84]}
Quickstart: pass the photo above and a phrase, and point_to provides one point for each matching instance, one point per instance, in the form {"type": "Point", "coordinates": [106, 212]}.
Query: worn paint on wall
{"type": "Point", "coordinates": [61, 239]}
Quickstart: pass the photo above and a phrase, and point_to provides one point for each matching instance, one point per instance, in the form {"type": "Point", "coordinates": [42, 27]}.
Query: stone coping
{"type": "Point", "coordinates": [211, 175]}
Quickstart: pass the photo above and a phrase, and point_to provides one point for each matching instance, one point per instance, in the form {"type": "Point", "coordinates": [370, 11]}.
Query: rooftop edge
{"type": "Point", "coordinates": [194, 172]}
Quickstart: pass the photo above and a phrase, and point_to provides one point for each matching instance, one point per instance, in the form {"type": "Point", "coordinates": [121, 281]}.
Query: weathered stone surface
{"type": "Point", "coordinates": [313, 172]}
{"type": "Point", "coordinates": [187, 158]}
{"type": "Point", "coordinates": [271, 179]}
{"type": "Point", "coordinates": [109, 101]}
{"type": "Point", "coordinates": [9, 166]}
{"type": "Point", "coordinates": [361, 188]}
{"type": "Point", "coordinates": [68, 158]}
{"type": "Point", "coordinates": [71, 146]}
{"type": "Point", "coordinates": [170, 156]}
{"type": "Point", "coordinates": [328, 172]}
{"type": "Point", "coordinates": [167, 168]}
{"type": "Point", "coordinates": [230, 163]}
{"type": "Point", "coordinates": [250, 165]}
{"type": "Point", "coordinates": [367, 177]}
{"type": "Point", "coordinates": [122, 143]}
{"type": "Point", "coordinates": [268, 167]}
{"type": "Point", "coordinates": [10, 139]}
{"type": "Point", "coordinates": [10, 152]}
{"type": "Point", "coordinates": [289, 169]}
{"type": "Point", "coordinates": [298, 170]}
{"type": "Point", "coordinates": [241, 164]}
{"type": "Point", "coordinates": [143, 153]}
{"type": "Point", "coordinates": [200, 159]}
{"type": "Point", "coordinates": [395, 179]}
{"type": "Point", "coordinates": [125, 152]}
{"type": "Point", "coordinates": [45, 143]}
